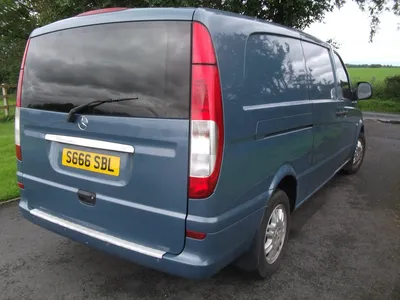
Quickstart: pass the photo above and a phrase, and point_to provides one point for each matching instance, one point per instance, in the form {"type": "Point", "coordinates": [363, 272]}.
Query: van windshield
{"type": "Point", "coordinates": [147, 60]}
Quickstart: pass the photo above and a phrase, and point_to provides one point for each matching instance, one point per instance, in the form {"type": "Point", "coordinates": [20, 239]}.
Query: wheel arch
{"type": "Point", "coordinates": [286, 180]}
{"type": "Point", "coordinates": [360, 129]}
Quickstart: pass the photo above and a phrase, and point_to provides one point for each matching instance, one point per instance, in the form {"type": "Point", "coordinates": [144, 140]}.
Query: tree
{"type": "Point", "coordinates": [19, 17]}
{"type": "Point", "coordinates": [294, 13]}
{"type": "Point", "coordinates": [16, 22]}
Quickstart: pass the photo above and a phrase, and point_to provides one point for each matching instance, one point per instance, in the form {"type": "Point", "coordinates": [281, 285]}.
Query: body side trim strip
{"type": "Point", "coordinates": [280, 104]}
{"type": "Point", "coordinates": [289, 103]}
{"type": "Point", "coordinates": [285, 131]}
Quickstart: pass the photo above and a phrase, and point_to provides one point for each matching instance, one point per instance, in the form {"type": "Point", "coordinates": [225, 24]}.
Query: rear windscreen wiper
{"type": "Point", "coordinates": [79, 108]}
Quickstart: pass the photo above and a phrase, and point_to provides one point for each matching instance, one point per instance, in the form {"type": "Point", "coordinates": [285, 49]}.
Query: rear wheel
{"type": "Point", "coordinates": [356, 161]}
{"type": "Point", "coordinates": [269, 244]}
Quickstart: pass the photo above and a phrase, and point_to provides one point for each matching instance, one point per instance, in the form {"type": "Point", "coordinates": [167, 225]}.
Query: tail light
{"type": "Point", "coordinates": [207, 132]}
{"type": "Point", "coordinates": [18, 151]}
{"type": "Point", "coordinates": [17, 109]}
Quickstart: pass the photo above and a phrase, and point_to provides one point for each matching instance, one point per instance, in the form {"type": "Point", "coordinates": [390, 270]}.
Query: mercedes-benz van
{"type": "Point", "coordinates": [181, 139]}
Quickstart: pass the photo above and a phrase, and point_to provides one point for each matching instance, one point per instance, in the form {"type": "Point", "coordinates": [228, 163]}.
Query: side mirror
{"type": "Point", "coordinates": [364, 90]}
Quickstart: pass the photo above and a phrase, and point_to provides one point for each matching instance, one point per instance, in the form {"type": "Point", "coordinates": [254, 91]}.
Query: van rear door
{"type": "Point", "coordinates": [120, 168]}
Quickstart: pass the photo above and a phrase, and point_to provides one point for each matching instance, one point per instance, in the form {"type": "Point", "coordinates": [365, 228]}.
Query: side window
{"type": "Point", "coordinates": [319, 72]}
{"type": "Point", "coordinates": [344, 87]}
{"type": "Point", "coordinates": [274, 70]}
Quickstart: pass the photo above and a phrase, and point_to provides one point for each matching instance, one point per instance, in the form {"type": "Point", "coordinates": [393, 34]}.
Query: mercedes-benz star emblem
{"type": "Point", "coordinates": [83, 123]}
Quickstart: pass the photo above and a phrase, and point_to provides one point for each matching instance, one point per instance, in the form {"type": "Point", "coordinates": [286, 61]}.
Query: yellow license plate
{"type": "Point", "coordinates": [90, 161]}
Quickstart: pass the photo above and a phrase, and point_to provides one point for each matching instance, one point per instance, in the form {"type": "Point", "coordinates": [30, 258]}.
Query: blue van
{"type": "Point", "coordinates": [181, 139]}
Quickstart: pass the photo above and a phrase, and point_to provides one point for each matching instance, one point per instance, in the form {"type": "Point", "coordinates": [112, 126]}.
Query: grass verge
{"type": "Point", "coordinates": [8, 167]}
{"type": "Point", "coordinates": [384, 106]}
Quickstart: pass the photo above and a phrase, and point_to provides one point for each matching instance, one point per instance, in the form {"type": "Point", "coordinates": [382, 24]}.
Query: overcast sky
{"type": "Point", "coordinates": [350, 27]}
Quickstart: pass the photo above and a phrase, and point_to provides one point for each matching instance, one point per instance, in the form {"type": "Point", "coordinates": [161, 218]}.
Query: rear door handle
{"type": "Point", "coordinates": [87, 197]}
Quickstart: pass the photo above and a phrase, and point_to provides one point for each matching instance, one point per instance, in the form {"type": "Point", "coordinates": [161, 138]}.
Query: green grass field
{"type": "Point", "coordinates": [376, 77]}
{"type": "Point", "coordinates": [11, 101]}
{"type": "Point", "coordinates": [372, 74]}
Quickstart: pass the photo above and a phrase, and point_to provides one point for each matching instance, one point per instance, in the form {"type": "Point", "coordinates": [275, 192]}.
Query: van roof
{"type": "Point", "coordinates": [269, 26]}
{"type": "Point", "coordinates": [186, 13]}
{"type": "Point", "coordinates": [132, 14]}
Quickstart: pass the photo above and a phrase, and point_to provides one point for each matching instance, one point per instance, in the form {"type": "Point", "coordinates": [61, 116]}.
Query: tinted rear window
{"type": "Point", "coordinates": [148, 60]}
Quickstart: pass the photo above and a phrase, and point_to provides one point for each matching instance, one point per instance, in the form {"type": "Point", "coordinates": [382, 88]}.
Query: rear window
{"type": "Point", "coordinates": [148, 60]}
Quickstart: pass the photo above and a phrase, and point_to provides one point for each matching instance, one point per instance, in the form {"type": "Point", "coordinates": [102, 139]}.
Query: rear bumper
{"type": "Point", "coordinates": [199, 259]}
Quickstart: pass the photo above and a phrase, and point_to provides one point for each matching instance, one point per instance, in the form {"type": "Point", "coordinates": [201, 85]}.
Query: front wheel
{"type": "Point", "coordinates": [355, 163]}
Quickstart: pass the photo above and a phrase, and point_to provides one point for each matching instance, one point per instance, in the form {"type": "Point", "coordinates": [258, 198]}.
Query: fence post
{"type": "Point", "coordinates": [5, 100]}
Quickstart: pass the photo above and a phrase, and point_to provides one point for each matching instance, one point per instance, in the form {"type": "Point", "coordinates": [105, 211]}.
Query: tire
{"type": "Point", "coordinates": [256, 260]}
{"type": "Point", "coordinates": [355, 162]}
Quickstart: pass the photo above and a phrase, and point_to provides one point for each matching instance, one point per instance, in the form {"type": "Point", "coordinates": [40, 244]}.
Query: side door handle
{"type": "Point", "coordinates": [341, 112]}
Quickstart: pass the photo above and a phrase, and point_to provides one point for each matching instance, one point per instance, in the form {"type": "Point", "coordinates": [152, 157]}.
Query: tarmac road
{"type": "Point", "coordinates": [344, 244]}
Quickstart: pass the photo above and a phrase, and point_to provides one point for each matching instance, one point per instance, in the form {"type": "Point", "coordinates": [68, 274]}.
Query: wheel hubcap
{"type": "Point", "coordinates": [275, 234]}
{"type": "Point", "coordinates": [358, 153]}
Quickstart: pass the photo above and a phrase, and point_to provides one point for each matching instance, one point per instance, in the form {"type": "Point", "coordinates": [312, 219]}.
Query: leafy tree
{"type": "Point", "coordinates": [19, 17]}
{"type": "Point", "coordinates": [294, 13]}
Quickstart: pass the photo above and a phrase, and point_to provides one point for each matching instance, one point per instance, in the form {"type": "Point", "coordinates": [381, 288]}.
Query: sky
{"type": "Point", "coordinates": [350, 27]}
